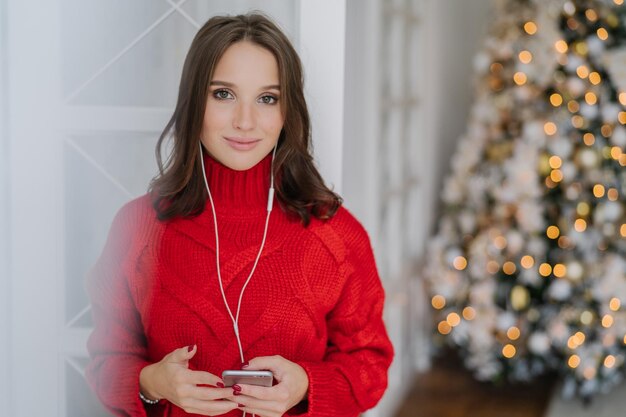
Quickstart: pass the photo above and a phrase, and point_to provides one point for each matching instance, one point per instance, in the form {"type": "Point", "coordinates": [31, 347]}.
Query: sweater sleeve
{"type": "Point", "coordinates": [117, 345]}
{"type": "Point", "coordinates": [353, 375]}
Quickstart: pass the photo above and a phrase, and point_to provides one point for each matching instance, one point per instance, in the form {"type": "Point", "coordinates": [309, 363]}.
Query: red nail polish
{"type": "Point", "coordinates": [237, 387]}
{"type": "Point", "coordinates": [190, 348]}
{"type": "Point", "coordinates": [240, 405]}
{"type": "Point", "coordinates": [220, 385]}
{"type": "Point", "coordinates": [236, 392]}
{"type": "Point", "coordinates": [245, 365]}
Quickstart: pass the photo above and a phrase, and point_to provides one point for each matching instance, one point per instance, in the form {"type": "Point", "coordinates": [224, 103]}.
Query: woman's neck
{"type": "Point", "coordinates": [238, 191]}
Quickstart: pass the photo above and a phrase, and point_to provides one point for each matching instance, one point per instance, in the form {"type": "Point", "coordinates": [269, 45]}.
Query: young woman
{"type": "Point", "coordinates": [239, 257]}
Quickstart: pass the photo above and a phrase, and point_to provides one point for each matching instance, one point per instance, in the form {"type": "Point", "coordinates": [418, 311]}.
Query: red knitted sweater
{"type": "Point", "coordinates": [315, 298]}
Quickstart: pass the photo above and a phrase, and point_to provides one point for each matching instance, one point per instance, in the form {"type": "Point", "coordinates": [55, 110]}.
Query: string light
{"type": "Point", "coordinates": [545, 269]}
{"type": "Point", "coordinates": [564, 242]}
{"type": "Point", "coordinates": [500, 242]}
{"type": "Point", "coordinates": [525, 57]}
{"type": "Point", "coordinates": [622, 98]}
{"type": "Point", "coordinates": [469, 313]}
{"type": "Point", "coordinates": [573, 106]}
{"type": "Point", "coordinates": [578, 121]}
{"type": "Point", "coordinates": [438, 302]}
{"type": "Point", "coordinates": [589, 139]}
{"type": "Point", "coordinates": [556, 175]}
{"type": "Point", "coordinates": [496, 67]}
{"type": "Point", "coordinates": [602, 34]}
{"type": "Point", "coordinates": [559, 270]}
{"type": "Point", "coordinates": [555, 162]}
{"type": "Point", "coordinates": [527, 261]}
{"type": "Point", "coordinates": [443, 327]}
{"type": "Point", "coordinates": [614, 304]}
{"type": "Point", "coordinates": [591, 98]}
{"type": "Point", "coordinates": [553, 232]}
{"type": "Point", "coordinates": [606, 130]}
{"type": "Point", "coordinates": [556, 99]}
{"type": "Point", "coordinates": [508, 351]}
{"type": "Point", "coordinates": [607, 321]}
{"type": "Point", "coordinates": [530, 27]}
{"type": "Point", "coordinates": [580, 225]}
{"type": "Point", "coordinates": [583, 208]}
{"type": "Point", "coordinates": [621, 117]}
{"type": "Point", "coordinates": [591, 15]}
{"type": "Point", "coordinates": [595, 78]}
{"type": "Point", "coordinates": [509, 268]}
{"type": "Point", "coordinates": [580, 336]}
{"type": "Point", "coordinates": [460, 263]}
{"type": "Point", "coordinates": [612, 194]}
{"type": "Point", "coordinates": [520, 78]}
{"type": "Point", "coordinates": [573, 361]}
{"type": "Point", "coordinates": [598, 190]}
{"type": "Point", "coordinates": [586, 318]}
{"type": "Point", "coordinates": [453, 319]}
{"type": "Point", "coordinates": [561, 46]}
{"type": "Point", "coordinates": [492, 267]}
{"type": "Point", "coordinates": [549, 128]}
{"type": "Point", "coordinates": [618, 2]}
{"type": "Point", "coordinates": [622, 230]}
{"type": "Point", "coordinates": [616, 152]}
{"type": "Point", "coordinates": [609, 361]}
{"type": "Point", "coordinates": [513, 333]}
{"type": "Point", "coordinates": [582, 71]}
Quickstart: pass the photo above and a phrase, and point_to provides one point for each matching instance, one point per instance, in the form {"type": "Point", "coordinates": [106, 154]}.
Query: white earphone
{"type": "Point", "coordinates": [270, 203]}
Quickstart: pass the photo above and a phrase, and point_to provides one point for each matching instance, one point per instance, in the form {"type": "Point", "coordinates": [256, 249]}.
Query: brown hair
{"type": "Point", "coordinates": [178, 189]}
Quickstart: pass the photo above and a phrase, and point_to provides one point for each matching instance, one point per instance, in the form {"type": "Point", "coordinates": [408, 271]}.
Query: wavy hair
{"type": "Point", "coordinates": [178, 189]}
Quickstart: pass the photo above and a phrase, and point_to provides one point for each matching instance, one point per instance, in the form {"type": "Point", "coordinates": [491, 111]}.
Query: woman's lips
{"type": "Point", "coordinates": [242, 144]}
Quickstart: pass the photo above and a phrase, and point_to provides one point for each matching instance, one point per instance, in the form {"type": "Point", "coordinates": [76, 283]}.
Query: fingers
{"type": "Point", "coordinates": [204, 378]}
{"type": "Point", "coordinates": [271, 363]}
{"type": "Point", "coordinates": [210, 394]}
{"type": "Point", "coordinates": [259, 407]}
{"type": "Point", "coordinates": [183, 354]}
{"type": "Point", "coordinates": [207, 408]}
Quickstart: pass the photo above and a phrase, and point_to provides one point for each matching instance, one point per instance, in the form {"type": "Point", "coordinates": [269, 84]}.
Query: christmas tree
{"type": "Point", "coordinates": [527, 271]}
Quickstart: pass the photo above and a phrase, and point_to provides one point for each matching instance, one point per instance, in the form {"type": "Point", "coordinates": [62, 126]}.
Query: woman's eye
{"type": "Point", "coordinates": [269, 100]}
{"type": "Point", "coordinates": [222, 94]}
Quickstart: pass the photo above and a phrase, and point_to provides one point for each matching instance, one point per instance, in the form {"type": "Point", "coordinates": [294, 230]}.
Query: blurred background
{"type": "Point", "coordinates": [481, 143]}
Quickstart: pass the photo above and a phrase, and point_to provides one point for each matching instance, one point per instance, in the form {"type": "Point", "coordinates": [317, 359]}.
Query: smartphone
{"type": "Point", "coordinates": [260, 378]}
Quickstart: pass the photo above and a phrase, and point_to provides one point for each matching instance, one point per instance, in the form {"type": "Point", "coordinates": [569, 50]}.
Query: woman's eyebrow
{"type": "Point", "coordinates": [231, 85]}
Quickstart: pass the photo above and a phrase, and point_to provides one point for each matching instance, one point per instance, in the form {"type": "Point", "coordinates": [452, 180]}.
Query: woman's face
{"type": "Point", "coordinates": [243, 119]}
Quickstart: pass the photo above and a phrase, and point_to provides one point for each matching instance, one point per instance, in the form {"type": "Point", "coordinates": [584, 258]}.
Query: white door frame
{"type": "Point", "coordinates": [5, 267]}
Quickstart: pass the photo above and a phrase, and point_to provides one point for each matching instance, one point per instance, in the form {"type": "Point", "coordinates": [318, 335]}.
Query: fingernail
{"type": "Point", "coordinates": [220, 385]}
{"type": "Point", "coordinates": [236, 392]}
{"type": "Point", "coordinates": [240, 405]}
{"type": "Point", "coordinates": [245, 365]}
{"type": "Point", "coordinates": [190, 348]}
{"type": "Point", "coordinates": [237, 387]}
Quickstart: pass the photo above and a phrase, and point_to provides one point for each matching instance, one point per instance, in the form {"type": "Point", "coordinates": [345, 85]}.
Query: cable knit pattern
{"type": "Point", "coordinates": [315, 298]}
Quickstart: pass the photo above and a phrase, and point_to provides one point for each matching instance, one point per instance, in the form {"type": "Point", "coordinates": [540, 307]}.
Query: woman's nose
{"type": "Point", "coordinates": [244, 117]}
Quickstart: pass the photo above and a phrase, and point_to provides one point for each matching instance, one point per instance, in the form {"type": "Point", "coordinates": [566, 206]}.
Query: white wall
{"type": "Point", "coordinates": [4, 220]}
{"type": "Point", "coordinates": [459, 30]}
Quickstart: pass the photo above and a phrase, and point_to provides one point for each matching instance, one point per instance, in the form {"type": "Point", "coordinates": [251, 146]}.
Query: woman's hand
{"type": "Point", "coordinates": [172, 380]}
{"type": "Point", "coordinates": [292, 387]}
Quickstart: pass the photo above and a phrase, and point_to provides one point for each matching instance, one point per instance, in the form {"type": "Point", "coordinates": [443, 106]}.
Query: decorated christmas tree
{"type": "Point", "coordinates": [527, 271]}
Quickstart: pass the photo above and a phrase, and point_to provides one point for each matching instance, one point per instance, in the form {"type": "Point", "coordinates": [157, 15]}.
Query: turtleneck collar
{"type": "Point", "coordinates": [238, 192]}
